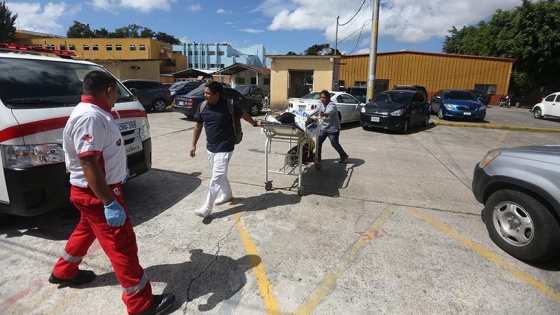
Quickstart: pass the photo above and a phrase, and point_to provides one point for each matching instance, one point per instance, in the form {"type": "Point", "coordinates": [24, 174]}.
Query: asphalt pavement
{"type": "Point", "coordinates": [395, 230]}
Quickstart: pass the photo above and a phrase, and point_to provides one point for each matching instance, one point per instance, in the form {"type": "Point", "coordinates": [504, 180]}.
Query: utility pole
{"type": "Point", "coordinates": [373, 51]}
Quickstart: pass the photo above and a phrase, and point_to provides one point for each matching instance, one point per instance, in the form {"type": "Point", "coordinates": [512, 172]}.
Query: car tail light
{"type": "Point", "coordinates": [190, 102]}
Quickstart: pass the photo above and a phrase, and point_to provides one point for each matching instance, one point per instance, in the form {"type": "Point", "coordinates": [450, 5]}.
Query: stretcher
{"type": "Point", "coordinates": [295, 136]}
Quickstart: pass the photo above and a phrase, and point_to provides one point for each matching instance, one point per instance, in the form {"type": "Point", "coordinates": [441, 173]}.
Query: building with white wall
{"type": "Point", "coordinates": [217, 56]}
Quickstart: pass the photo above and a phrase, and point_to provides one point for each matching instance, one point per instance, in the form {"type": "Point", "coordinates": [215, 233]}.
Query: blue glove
{"type": "Point", "coordinates": [114, 213]}
{"type": "Point", "coordinates": [125, 176]}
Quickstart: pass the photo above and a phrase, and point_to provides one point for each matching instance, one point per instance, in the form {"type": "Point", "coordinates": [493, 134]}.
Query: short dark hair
{"type": "Point", "coordinates": [96, 81]}
{"type": "Point", "coordinates": [325, 93]}
{"type": "Point", "coordinates": [215, 87]}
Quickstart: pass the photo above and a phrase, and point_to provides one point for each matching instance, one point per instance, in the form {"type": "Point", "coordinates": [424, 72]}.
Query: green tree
{"type": "Point", "coordinates": [320, 49]}
{"type": "Point", "coordinates": [7, 24]}
{"type": "Point", "coordinates": [530, 33]}
{"type": "Point", "coordinates": [291, 53]}
{"type": "Point", "coordinates": [80, 30]}
{"type": "Point", "coordinates": [166, 38]}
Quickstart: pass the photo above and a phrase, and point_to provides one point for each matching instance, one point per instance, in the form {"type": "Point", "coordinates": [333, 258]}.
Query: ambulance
{"type": "Point", "coordinates": [37, 95]}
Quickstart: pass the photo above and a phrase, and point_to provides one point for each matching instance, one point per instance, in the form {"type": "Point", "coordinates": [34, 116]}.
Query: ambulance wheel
{"type": "Point", "coordinates": [268, 186]}
{"type": "Point", "coordinates": [318, 166]}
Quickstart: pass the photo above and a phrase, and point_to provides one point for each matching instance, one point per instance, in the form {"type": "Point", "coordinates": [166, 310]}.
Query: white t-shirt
{"type": "Point", "coordinates": [91, 130]}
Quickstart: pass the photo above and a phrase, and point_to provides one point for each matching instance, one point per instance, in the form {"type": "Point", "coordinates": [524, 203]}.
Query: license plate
{"type": "Point", "coordinates": [133, 148]}
{"type": "Point", "coordinates": [302, 107]}
{"type": "Point", "coordinates": [127, 125]}
{"type": "Point", "coordinates": [375, 119]}
{"type": "Point", "coordinates": [467, 113]}
{"type": "Point", "coordinates": [181, 103]}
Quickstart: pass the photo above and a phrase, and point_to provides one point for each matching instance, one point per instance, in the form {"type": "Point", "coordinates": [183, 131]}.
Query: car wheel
{"type": "Point", "coordinates": [404, 127]}
{"type": "Point", "coordinates": [159, 105]}
{"type": "Point", "coordinates": [522, 226]}
{"type": "Point", "coordinates": [537, 113]}
{"type": "Point", "coordinates": [426, 121]}
{"type": "Point", "coordinates": [440, 113]}
{"type": "Point", "coordinates": [254, 109]}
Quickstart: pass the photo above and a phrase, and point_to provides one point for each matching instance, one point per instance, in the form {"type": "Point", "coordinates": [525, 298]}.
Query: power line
{"type": "Point", "coordinates": [354, 14]}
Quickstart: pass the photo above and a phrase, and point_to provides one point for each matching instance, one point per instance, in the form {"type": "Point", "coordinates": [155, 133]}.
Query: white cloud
{"type": "Point", "coordinates": [252, 30]}
{"type": "Point", "coordinates": [222, 11]}
{"type": "Point", "coordinates": [194, 8]}
{"type": "Point", "coordinates": [105, 5]}
{"type": "Point", "coordinates": [147, 6]}
{"type": "Point", "coordinates": [409, 21]}
{"type": "Point", "coordinates": [38, 18]}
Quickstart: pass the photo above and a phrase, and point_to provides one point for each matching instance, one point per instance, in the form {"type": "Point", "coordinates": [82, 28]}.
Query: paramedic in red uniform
{"type": "Point", "coordinates": [96, 159]}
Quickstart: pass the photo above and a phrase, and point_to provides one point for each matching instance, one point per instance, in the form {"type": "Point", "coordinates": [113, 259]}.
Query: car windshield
{"type": "Point", "coordinates": [30, 83]}
{"type": "Point", "coordinates": [393, 97]}
{"type": "Point", "coordinates": [459, 95]}
{"type": "Point", "coordinates": [177, 85]}
{"type": "Point", "coordinates": [314, 96]}
{"type": "Point", "coordinates": [243, 89]}
{"type": "Point", "coordinates": [198, 92]}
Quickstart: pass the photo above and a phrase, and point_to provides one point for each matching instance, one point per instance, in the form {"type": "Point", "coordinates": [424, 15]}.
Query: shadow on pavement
{"type": "Point", "coordinates": [330, 178]}
{"type": "Point", "coordinates": [219, 276]}
{"type": "Point", "coordinates": [146, 197]}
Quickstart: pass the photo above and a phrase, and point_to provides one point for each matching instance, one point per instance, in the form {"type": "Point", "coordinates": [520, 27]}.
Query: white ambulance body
{"type": "Point", "coordinates": [37, 95]}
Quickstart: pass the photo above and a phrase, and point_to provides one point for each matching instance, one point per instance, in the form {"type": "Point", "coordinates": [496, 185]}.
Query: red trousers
{"type": "Point", "coordinates": [118, 243]}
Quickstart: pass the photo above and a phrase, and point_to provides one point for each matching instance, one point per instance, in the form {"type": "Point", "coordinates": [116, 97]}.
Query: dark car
{"type": "Point", "coordinates": [252, 91]}
{"type": "Point", "coordinates": [183, 88]}
{"type": "Point", "coordinates": [520, 190]}
{"type": "Point", "coordinates": [457, 104]}
{"type": "Point", "coordinates": [412, 88]}
{"type": "Point", "coordinates": [153, 95]}
{"type": "Point", "coordinates": [359, 92]}
{"type": "Point", "coordinates": [396, 110]}
{"type": "Point", "coordinates": [188, 104]}
{"type": "Point", "coordinates": [481, 96]}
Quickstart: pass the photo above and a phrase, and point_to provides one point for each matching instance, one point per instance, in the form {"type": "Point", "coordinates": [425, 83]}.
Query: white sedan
{"type": "Point", "coordinates": [549, 106]}
{"type": "Point", "coordinates": [348, 106]}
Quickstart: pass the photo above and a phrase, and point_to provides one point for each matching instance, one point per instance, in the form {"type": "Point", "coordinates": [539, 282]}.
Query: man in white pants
{"type": "Point", "coordinates": [220, 141]}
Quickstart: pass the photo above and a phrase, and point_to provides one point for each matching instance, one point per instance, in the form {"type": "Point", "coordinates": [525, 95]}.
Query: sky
{"type": "Point", "coordinates": [280, 25]}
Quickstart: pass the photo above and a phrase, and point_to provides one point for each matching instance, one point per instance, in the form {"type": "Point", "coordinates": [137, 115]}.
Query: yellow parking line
{"type": "Point", "coordinates": [498, 142]}
{"type": "Point", "coordinates": [326, 285]}
{"type": "Point", "coordinates": [270, 302]}
{"type": "Point", "coordinates": [488, 255]}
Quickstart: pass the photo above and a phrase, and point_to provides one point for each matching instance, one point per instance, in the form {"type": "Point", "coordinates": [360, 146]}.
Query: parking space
{"type": "Point", "coordinates": [396, 230]}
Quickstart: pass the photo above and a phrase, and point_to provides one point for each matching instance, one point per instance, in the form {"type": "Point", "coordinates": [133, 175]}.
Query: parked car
{"type": "Point", "coordinates": [548, 107]}
{"type": "Point", "coordinates": [252, 91]}
{"type": "Point", "coordinates": [359, 92]}
{"type": "Point", "coordinates": [188, 104]}
{"type": "Point", "coordinates": [481, 96]}
{"type": "Point", "coordinates": [348, 106]}
{"type": "Point", "coordinates": [457, 104]}
{"type": "Point", "coordinates": [412, 88]}
{"type": "Point", "coordinates": [183, 87]}
{"type": "Point", "coordinates": [520, 190]}
{"type": "Point", "coordinates": [396, 110]}
{"type": "Point", "coordinates": [153, 95]}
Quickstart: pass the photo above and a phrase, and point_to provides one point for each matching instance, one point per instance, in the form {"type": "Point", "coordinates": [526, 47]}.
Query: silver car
{"type": "Point", "coordinates": [520, 190]}
{"type": "Point", "coordinates": [347, 105]}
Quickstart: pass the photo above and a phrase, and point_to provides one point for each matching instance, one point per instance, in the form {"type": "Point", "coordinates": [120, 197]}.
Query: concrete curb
{"type": "Point", "coordinates": [494, 126]}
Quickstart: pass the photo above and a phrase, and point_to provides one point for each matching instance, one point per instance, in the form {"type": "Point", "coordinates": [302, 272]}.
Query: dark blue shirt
{"type": "Point", "coordinates": [218, 125]}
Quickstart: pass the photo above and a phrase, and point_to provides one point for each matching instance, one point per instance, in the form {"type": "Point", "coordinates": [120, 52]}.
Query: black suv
{"type": "Point", "coordinates": [412, 88]}
{"type": "Point", "coordinates": [359, 92]}
{"type": "Point", "coordinates": [153, 95]}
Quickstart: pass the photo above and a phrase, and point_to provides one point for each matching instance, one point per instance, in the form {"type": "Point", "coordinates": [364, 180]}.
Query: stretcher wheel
{"type": "Point", "coordinates": [318, 166]}
{"type": "Point", "coordinates": [301, 191]}
{"type": "Point", "coordinates": [268, 186]}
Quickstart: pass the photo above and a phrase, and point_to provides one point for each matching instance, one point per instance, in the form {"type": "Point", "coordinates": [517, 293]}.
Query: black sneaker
{"type": "Point", "coordinates": [160, 304]}
{"type": "Point", "coordinates": [342, 159]}
{"type": "Point", "coordinates": [83, 277]}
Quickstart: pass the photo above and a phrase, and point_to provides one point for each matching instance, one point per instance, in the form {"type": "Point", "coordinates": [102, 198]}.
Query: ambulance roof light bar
{"type": "Point", "coordinates": [38, 50]}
